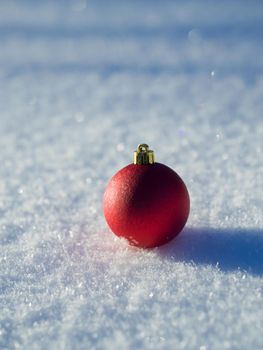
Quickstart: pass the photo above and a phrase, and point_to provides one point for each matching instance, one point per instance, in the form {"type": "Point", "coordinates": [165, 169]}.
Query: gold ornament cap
{"type": "Point", "coordinates": [143, 155]}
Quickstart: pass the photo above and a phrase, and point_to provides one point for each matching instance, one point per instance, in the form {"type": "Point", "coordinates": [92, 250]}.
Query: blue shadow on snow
{"type": "Point", "coordinates": [229, 249]}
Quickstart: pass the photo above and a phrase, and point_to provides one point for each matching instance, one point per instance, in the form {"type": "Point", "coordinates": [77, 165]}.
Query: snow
{"type": "Point", "coordinates": [81, 84]}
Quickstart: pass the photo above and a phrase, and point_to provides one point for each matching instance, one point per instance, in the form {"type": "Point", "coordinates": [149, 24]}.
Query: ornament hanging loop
{"type": "Point", "coordinates": [143, 156]}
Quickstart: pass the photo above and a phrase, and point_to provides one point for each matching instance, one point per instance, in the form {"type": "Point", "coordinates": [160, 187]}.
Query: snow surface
{"type": "Point", "coordinates": [82, 83]}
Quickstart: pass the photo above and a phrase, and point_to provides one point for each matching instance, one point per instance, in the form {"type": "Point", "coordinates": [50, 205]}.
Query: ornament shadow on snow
{"type": "Point", "coordinates": [228, 249]}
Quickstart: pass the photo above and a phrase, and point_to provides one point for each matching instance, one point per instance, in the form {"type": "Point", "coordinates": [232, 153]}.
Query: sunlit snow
{"type": "Point", "coordinates": [82, 83]}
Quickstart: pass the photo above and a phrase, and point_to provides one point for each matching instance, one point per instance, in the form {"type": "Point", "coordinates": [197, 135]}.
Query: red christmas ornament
{"type": "Point", "coordinates": [146, 202]}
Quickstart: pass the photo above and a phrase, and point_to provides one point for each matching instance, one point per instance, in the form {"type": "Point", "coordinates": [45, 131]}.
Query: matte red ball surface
{"type": "Point", "coordinates": [146, 204]}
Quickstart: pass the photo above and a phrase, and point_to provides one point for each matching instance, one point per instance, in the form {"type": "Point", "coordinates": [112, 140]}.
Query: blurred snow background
{"type": "Point", "coordinates": [81, 84]}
